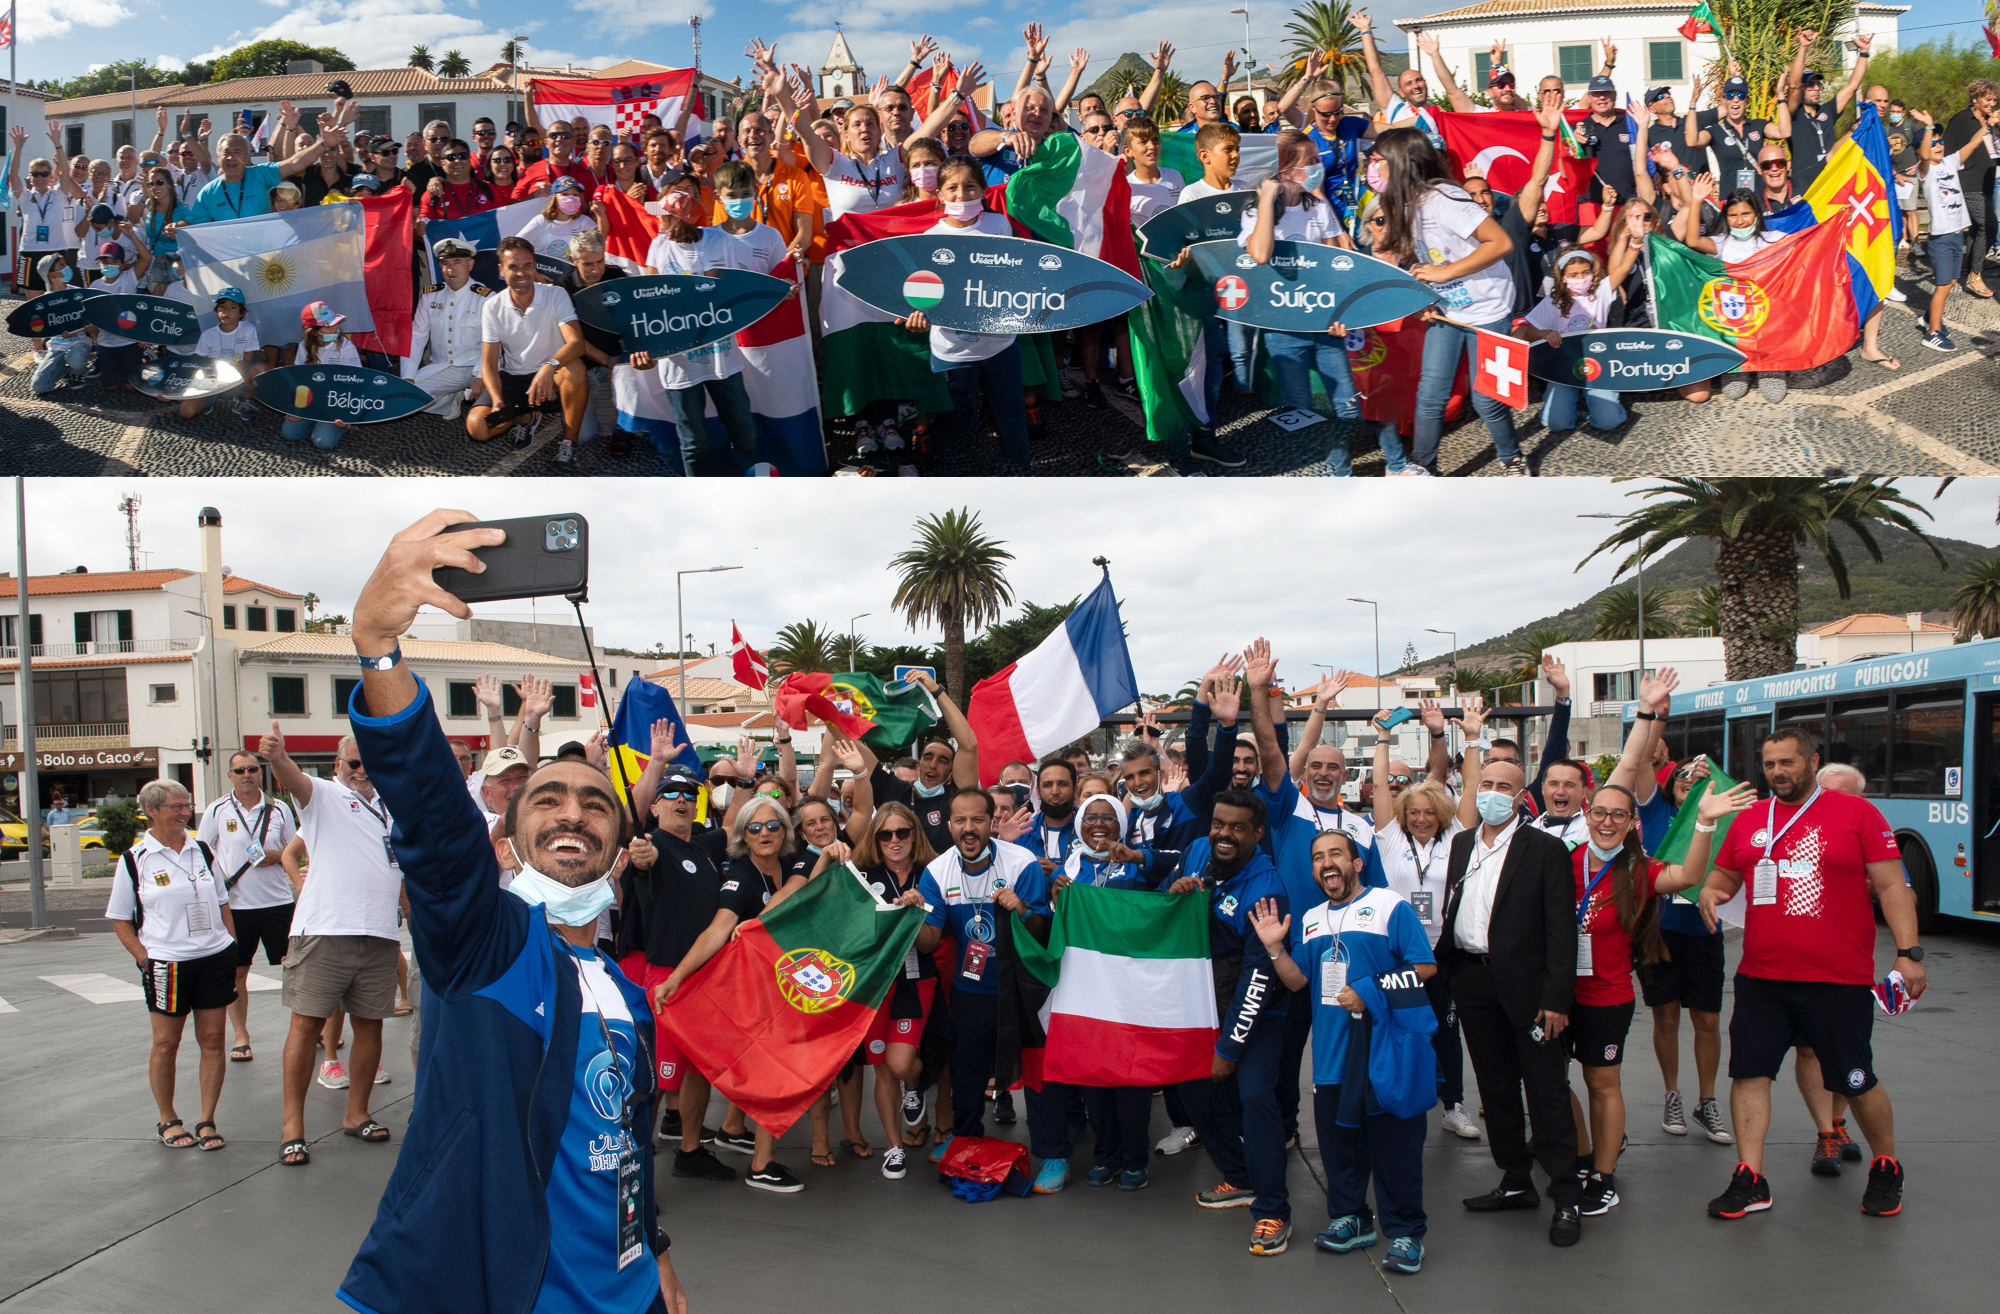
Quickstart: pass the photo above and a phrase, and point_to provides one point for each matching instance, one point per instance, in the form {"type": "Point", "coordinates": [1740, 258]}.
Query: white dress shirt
{"type": "Point", "coordinates": [1482, 881]}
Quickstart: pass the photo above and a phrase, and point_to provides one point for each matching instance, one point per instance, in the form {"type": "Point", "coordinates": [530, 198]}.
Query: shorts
{"type": "Point", "coordinates": [270, 927]}
{"type": "Point", "coordinates": [175, 989]}
{"type": "Point", "coordinates": [1836, 1020]}
{"type": "Point", "coordinates": [353, 973]}
{"type": "Point", "coordinates": [901, 1019]}
{"type": "Point", "coordinates": [667, 1057]}
{"type": "Point", "coordinates": [514, 392]}
{"type": "Point", "coordinates": [1947, 255]}
{"type": "Point", "coordinates": [1691, 976]}
{"type": "Point", "coordinates": [1595, 1036]}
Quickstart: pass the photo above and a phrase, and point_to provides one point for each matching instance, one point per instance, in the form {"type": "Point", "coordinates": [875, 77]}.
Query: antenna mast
{"type": "Point", "coordinates": [128, 506]}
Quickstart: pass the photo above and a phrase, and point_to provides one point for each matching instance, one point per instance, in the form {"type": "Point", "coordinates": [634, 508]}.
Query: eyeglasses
{"type": "Point", "coordinates": [487, 132]}
{"type": "Point", "coordinates": [899, 834]}
{"type": "Point", "coordinates": [456, 156]}
{"type": "Point", "coordinates": [759, 827]}
{"type": "Point", "coordinates": [353, 763]}
{"type": "Point", "coordinates": [1210, 96]}
{"type": "Point", "coordinates": [1610, 814]}
{"type": "Point", "coordinates": [38, 173]}
{"type": "Point", "coordinates": [244, 771]}
{"type": "Point", "coordinates": [677, 793]}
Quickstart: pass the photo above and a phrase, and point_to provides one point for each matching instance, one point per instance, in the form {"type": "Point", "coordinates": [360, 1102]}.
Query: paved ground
{"type": "Point", "coordinates": [99, 1218]}
{"type": "Point", "coordinates": [1938, 415]}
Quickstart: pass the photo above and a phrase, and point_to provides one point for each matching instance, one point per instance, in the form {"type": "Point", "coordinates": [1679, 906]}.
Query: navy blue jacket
{"type": "Point", "coordinates": [464, 1222]}
{"type": "Point", "coordinates": [1246, 985]}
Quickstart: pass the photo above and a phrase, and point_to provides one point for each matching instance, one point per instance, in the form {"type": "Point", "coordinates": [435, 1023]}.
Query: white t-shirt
{"type": "Point", "coordinates": [1199, 188]}
{"type": "Point", "coordinates": [1414, 870]}
{"type": "Point", "coordinates": [1944, 196]}
{"type": "Point", "coordinates": [527, 337]}
{"type": "Point", "coordinates": [1729, 249]}
{"type": "Point", "coordinates": [125, 284]}
{"type": "Point", "coordinates": [1400, 109]}
{"type": "Point", "coordinates": [1446, 223]}
{"type": "Point", "coordinates": [341, 351]}
{"type": "Point", "coordinates": [1572, 831]}
{"type": "Point", "coordinates": [234, 346]}
{"type": "Point", "coordinates": [856, 188]}
{"type": "Point", "coordinates": [550, 237]}
{"type": "Point", "coordinates": [967, 348]}
{"type": "Point", "coordinates": [1585, 313]}
{"type": "Point", "coordinates": [131, 192]}
{"type": "Point", "coordinates": [714, 249]}
{"type": "Point", "coordinates": [353, 883]}
{"type": "Point", "coordinates": [760, 250]}
{"type": "Point", "coordinates": [44, 226]}
{"type": "Point", "coordinates": [230, 827]}
{"type": "Point", "coordinates": [182, 897]}
{"type": "Point", "coordinates": [1296, 223]}
{"type": "Point", "coordinates": [1149, 198]}
{"type": "Point", "coordinates": [178, 290]}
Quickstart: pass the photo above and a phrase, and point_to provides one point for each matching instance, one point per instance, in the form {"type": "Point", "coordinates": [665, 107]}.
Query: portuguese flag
{"type": "Point", "coordinates": [1673, 846]}
{"type": "Point", "coordinates": [1788, 307]}
{"type": "Point", "coordinates": [882, 714]}
{"type": "Point", "coordinates": [1134, 995]}
{"type": "Point", "coordinates": [771, 1019]}
{"type": "Point", "coordinates": [1699, 23]}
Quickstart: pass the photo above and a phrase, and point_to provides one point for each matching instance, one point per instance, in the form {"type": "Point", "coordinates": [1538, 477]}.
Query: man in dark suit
{"type": "Point", "coordinates": [1508, 950]}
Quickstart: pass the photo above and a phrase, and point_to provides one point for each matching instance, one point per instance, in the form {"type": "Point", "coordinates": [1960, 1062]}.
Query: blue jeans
{"type": "Point", "coordinates": [732, 407]}
{"type": "Point", "coordinates": [1000, 377]}
{"type": "Point", "coordinates": [1559, 407]}
{"type": "Point", "coordinates": [117, 366]}
{"type": "Point", "coordinates": [1121, 1116]}
{"type": "Point", "coordinates": [325, 434]}
{"type": "Point", "coordinates": [1444, 346]}
{"type": "Point", "coordinates": [1231, 348]}
{"type": "Point", "coordinates": [1389, 1149]}
{"type": "Point", "coordinates": [64, 356]}
{"type": "Point", "coordinates": [600, 389]}
{"type": "Point", "coordinates": [1293, 356]}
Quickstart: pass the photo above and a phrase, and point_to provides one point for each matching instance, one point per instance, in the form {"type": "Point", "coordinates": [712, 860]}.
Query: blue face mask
{"type": "Point", "coordinates": [1314, 177]}
{"type": "Point", "coordinates": [566, 905]}
{"type": "Point", "coordinates": [813, 849]}
{"type": "Point", "coordinates": [109, 269]}
{"type": "Point", "coordinates": [928, 791]}
{"type": "Point", "coordinates": [739, 207]}
{"type": "Point", "coordinates": [1494, 807]}
{"type": "Point", "coordinates": [1146, 803]}
{"type": "Point", "coordinates": [1603, 855]}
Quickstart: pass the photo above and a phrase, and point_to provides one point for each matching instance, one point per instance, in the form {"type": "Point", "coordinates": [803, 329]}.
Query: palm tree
{"type": "Point", "coordinates": [953, 578]}
{"type": "Point", "coordinates": [1975, 607]}
{"type": "Point", "coordinates": [1323, 25]}
{"type": "Point", "coordinates": [454, 65]}
{"type": "Point", "coordinates": [420, 57]}
{"type": "Point", "coordinates": [1705, 613]}
{"type": "Point", "coordinates": [848, 653]}
{"type": "Point", "coordinates": [311, 603]}
{"type": "Point", "coordinates": [1538, 642]}
{"type": "Point", "coordinates": [1757, 526]}
{"type": "Point", "coordinates": [1618, 618]}
{"type": "Point", "coordinates": [1170, 106]}
{"type": "Point", "coordinates": [803, 646]}
{"type": "Point", "coordinates": [512, 49]}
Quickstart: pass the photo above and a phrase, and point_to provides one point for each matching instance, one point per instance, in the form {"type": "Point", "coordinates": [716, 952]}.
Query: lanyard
{"type": "Point", "coordinates": [263, 817]}
{"type": "Point", "coordinates": [624, 1088]}
{"type": "Point", "coordinates": [235, 206]}
{"type": "Point", "coordinates": [1339, 813]}
{"type": "Point", "coordinates": [1423, 862]}
{"type": "Point", "coordinates": [42, 206]}
{"type": "Point", "coordinates": [379, 816]}
{"type": "Point", "coordinates": [173, 859]}
{"type": "Point", "coordinates": [1583, 904]}
{"type": "Point", "coordinates": [1771, 819]}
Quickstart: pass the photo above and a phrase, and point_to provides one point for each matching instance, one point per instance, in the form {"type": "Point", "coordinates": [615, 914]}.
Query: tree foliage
{"type": "Point", "coordinates": [1760, 37]}
{"type": "Point", "coordinates": [267, 59]}
{"type": "Point", "coordinates": [953, 578]}
{"type": "Point", "coordinates": [1325, 26]}
{"type": "Point", "coordinates": [1932, 77]}
{"type": "Point", "coordinates": [420, 57]}
{"type": "Point", "coordinates": [1618, 618]}
{"type": "Point", "coordinates": [1975, 607]}
{"type": "Point", "coordinates": [454, 64]}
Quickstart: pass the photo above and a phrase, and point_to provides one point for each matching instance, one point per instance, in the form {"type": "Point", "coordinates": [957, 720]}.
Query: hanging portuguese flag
{"type": "Point", "coordinates": [880, 713]}
{"type": "Point", "coordinates": [1699, 23]}
{"type": "Point", "coordinates": [772, 1018]}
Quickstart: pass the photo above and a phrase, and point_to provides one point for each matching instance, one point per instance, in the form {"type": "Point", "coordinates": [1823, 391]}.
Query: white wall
{"type": "Point", "coordinates": [252, 694]}
{"type": "Point", "coordinates": [403, 117]}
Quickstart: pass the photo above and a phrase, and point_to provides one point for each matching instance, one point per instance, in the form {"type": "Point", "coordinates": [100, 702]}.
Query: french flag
{"type": "Point", "coordinates": [1059, 692]}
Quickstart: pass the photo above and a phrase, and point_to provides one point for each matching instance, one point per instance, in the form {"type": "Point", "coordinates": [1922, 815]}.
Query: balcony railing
{"type": "Point", "coordinates": [104, 649]}
{"type": "Point", "coordinates": [47, 734]}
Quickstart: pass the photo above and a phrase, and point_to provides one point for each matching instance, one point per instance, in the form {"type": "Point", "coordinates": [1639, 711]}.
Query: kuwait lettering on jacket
{"type": "Point", "coordinates": [1253, 1003]}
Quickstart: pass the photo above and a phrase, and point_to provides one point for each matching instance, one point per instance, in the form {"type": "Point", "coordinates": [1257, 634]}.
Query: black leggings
{"type": "Point", "coordinates": [1978, 233]}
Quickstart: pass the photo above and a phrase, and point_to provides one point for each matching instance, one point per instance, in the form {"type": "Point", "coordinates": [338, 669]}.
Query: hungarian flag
{"type": "Point", "coordinates": [773, 1017]}
{"type": "Point", "coordinates": [746, 663]}
{"type": "Point", "coordinates": [1789, 307]}
{"type": "Point", "coordinates": [1503, 369]}
{"type": "Point", "coordinates": [1133, 1000]}
{"type": "Point", "coordinates": [1699, 23]}
{"type": "Point", "coordinates": [1673, 846]}
{"type": "Point", "coordinates": [386, 264]}
{"type": "Point", "coordinates": [882, 714]}
{"type": "Point", "coordinates": [1502, 146]}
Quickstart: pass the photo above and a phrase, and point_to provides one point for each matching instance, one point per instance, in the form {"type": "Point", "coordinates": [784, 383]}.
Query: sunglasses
{"type": "Point", "coordinates": [1399, 780]}
{"type": "Point", "coordinates": [1378, 222]}
{"type": "Point", "coordinates": [160, 182]}
{"type": "Point", "coordinates": [244, 771]}
{"type": "Point", "coordinates": [387, 150]}
{"type": "Point", "coordinates": [1778, 166]}
{"type": "Point", "coordinates": [558, 136]}
{"type": "Point", "coordinates": [759, 827]}
{"type": "Point", "coordinates": [897, 835]}
{"type": "Point", "coordinates": [488, 132]}
{"type": "Point", "coordinates": [353, 763]}
{"type": "Point", "coordinates": [1097, 128]}
{"type": "Point", "coordinates": [456, 156]}
{"type": "Point", "coordinates": [38, 173]}
{"type": "Point", "coordinates": [678, 793]}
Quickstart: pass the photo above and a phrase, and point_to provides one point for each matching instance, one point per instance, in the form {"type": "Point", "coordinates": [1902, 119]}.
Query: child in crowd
{"type": "Point", "coordinates": [324, 344]}
{"type": "Point", "coordinates": [1580, 301]}
{"type": "Point", "coordinates": [232, 338]}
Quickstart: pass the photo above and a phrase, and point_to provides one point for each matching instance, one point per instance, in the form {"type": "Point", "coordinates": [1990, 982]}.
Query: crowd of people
{"type": "Point", "coordinates": [760, 183]}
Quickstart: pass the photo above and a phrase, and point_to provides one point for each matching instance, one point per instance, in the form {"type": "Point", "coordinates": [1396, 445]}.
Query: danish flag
{"type": "Point", "coordinates": [586, 690]}
{"type": "Point", "coordinates": [746, 663]}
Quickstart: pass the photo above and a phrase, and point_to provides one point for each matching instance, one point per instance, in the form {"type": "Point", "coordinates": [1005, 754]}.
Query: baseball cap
{"type": "Point", "coordinates": [1658, 93]}
{"type": "Point", "coordinates": [679, 777]}
{"type": "Point", "coordinates": [367, 180]}
{"type": "Point", "coordinates": [232, 294]}
{"type": "Point", "coordinates": [500, 758]}
{"type": "Point", "coordinates": [574, 748]}
{"type": "Point", "coordinates": [1500, 76]}
{"type": "Point", "coordinates": [565, 184]}
{"type": "Point", "coordinates": [111, 250]}
{"type": "Point", "coordinates": [1602, 83]}
{"type": "Point", "coordinates": [450, 248]}
{"type": "Point", "coordinates": [842, 104]}
{"type": "Point", "coordinates": [317, 314]}
{"type": "Point", "coordinates": [103, 214]}
{"type": "Point", "coordinates": [1736, 87]}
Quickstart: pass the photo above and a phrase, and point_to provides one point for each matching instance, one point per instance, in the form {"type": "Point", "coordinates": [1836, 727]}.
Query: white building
{"type": "Point", "coordinates": [1564, 37]}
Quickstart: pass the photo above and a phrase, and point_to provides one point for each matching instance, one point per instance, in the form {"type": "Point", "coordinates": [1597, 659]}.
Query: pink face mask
{"type": "Point", "coordinates": [964, 209]}
{"type": "Point", "coordinates": [1578, 286]}
{"type": "Point", "coordinates": [925, 176]}
{"type": "Point", "coordinates": [569, 203]}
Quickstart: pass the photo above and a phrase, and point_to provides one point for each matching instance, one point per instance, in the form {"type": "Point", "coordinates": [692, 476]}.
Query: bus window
{"type": "Point", "coordinates": [1746, 744]}
{"type": "Point", "coordinates": [1858, 736]}
{"type": "Point", "coordinates": [1704, 735]}
{"type": "Point", "coordinates": [1930, 736]}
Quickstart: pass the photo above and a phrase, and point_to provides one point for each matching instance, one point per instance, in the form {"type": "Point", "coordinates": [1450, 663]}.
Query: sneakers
{"type": "Point", "coordinates": [1071, 390]}
{"type": "Point", "coordinates": [1940, 341]}
{"type": "Point", "coordinates": [1133, 1179]}
{"type": "Point", "coordinates": [1826, 1156]}
{"type": "Point", "coordinates": [1180, 1138]}
{"type": "Point", "coordinates": [701, 1162]}
{"type": "Point", "coordinates": [774, 1176]}
{"type": "Point", "coordinates": [1101, 1176]}
{"type": "Point", "coordinates": [1271, 1236]}
{"type": "Point", "coordinates": [523, 434]}
{"type": "Point", "coordinates": [1884, 1195]}
{"type": "Point", "coordinates": [566, 457]}
{"type": "Point", "coordinates": [864, 439]}
{"type": "Point", "coordinates": [1749, 1193]}
{"type": "Point", "coordinates": [1515, 469]}
{"type": "Point", "coordinates": [1736, 387]}
{"type": "Point", "coordinates": [1673, 1121]}
{"type": "Point", "coordinates": [1566, 1228]}
{"type": "Point", "coordinates": [1093, 395]}
{"type": "Point", "coordinates": [1224, 1196]}
{"type": "Point", "coordinates": [1350, 1232]}
{"type": "Point", "coordinates": [1848, 1149]}
{"type": "Point", "coordinates": [1600, 1193]}
{"type": "Point", "coordinates": [1204, 447]}
{"type": "Point", "coordinates": [915, 1107]}
{"type": "Point", "coordinates": [1128, 389]}
{"type": "Point", "coordinates": [1003, 1108]}
{"type": "Point", "coordinates": [892, 1163]}
{"type": "Point", "coordinates": [670, 1125]}
{"type": "Point", "coordinates": [1896, 294]}
{"type": "Point", "coordinates": [382, 1077]}
{"type": "Point", "coordinates": [890, 438]}
{"type": "Point", "coordinates": [1053, 1176]}
{"type": "Point", "coordinates": [1504, 1197]}
{"type": "Point", "coordinates": [943, 1144]}
{"type": "Point", "coordinates": [1406, 1255]}
{"type": "Point", "coordinates": [736, 1142]}
{"type": "Point", "coordinates": [333, 1075]}
{"type": "Point", "coordinates": [1410, 471]}
{"type": "Point", "coordinates": [1456, 1120]}
{"type": "Point", "coordinates": [1708, 1116]}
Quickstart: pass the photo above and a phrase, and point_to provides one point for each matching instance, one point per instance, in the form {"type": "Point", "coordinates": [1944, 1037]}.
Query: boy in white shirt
{"type": "Point", "coordinates": [232, 338]}
{"type": "Point", "coordinates": [1938, 175]}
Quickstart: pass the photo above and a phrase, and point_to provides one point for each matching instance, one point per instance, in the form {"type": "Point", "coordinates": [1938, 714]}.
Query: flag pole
{"type": "Point", "coordinates": [812, 361]}
{"type": "Point", "coordinates": [604, 713]}
{"type": "Point", "coordinates": [13, 117]}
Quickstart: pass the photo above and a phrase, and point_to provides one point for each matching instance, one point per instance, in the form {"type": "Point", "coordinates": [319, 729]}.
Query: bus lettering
{"type": "Point", "coordinates": [1951, 814]}
{"type": "Point", "coordinates": [1706, 700]}
{"type": "Point", "coordinates": [1914, 668]}
{"type": "Point", "coordinates": [1799, 685]}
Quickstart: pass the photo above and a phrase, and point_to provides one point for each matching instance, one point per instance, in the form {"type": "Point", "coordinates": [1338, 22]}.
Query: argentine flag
{"type": "Point", "coordinates": [282, 263]}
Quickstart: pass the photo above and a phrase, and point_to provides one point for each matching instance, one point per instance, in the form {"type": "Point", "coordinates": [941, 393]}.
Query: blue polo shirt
{"type": "Point", "coordinates": [251, 195]}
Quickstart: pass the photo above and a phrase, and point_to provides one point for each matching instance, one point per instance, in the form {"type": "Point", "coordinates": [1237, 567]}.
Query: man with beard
{"type": "Point", "coordinates": [1158, 819]}
{"type": "Point", "coordinates": [1054, 827]}
{"type": "Point", "coordinates": [1408, 103]}
{"type": "Point", "coordinates": [529, 1168]}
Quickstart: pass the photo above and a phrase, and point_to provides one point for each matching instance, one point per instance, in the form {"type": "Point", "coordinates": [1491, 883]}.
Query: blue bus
{"type": "Point", "coordinates": [1924, 728]}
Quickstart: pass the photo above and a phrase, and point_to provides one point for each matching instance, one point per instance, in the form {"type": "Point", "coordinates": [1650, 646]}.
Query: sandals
{"type": "Point", "coordinates": [180, 1140]}
{"type": "Point", "coordinates": [371, 1131]}
{"type": "Point", "coordinates": [212, 1141]}
{"type": "Point", "coordinates": [1889, 363]}
{"type": "Point", "coordinates": [824, 1160]}
{"type": "Point", "coordinates": [294, 1154]}
{"type": "Point", "coordinates": [401, 1010]}
{"type": "Point", "coordinates": [240, 1053]}
{"type": "Point", "coordinates": [859, 1149]}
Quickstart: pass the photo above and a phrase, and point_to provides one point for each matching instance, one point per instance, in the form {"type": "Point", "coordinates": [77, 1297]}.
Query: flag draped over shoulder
{"type": "Point", "coordinates": [628, 231]}
{"type": "Point", "coordinates": [643, 703]}
{"type": "Point", "coordinates": [282, 262]}
{"type": "Point", "coordinates": [772, 1018]}
{"type": "Point", "coordinates": [1133, 1002]}
{"type": "Point", "coordinates": [882, 714]}
{"type": "Point", "coordinates": [391, 295]}
{"type": "Point", "coordinates": [1075, 196]}
{"type": "Point", "coordinates": [1788, 307]}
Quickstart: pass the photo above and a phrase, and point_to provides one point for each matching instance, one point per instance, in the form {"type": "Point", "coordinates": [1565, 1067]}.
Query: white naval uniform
{"type": "Point", "coordinates": [449, 322]}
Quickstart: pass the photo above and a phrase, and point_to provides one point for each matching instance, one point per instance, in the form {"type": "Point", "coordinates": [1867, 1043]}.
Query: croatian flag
{"type": "Point", "coordinates": [1059, 692]}
{"type": "Point", "coordinates": [482, 232]}
{"type": "Point", "coordinates": [620, 104]}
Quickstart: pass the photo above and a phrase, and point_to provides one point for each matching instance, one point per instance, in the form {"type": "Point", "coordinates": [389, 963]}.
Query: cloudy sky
{"type": "Point", "coordinates": [1200, 565]}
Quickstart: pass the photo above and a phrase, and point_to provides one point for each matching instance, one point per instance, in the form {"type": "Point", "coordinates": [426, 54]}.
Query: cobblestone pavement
{"type": "Point", "coordinates": [1940, 414]}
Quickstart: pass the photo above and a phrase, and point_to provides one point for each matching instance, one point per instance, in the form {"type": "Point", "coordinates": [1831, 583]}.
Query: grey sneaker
{"type": "Point", "coordinates": [1516, 468]}
{"type": "Point", "coordinates": [1709, 1118]}
{"type": "Point", "coordinates": [1771, 387]}
{"type": "Point", "coordinates": [1736, 387]}
{"type": "Point", "coordinates": [1674, 1120]}
{"type": "Point", "coordinates": [1225, 1196]}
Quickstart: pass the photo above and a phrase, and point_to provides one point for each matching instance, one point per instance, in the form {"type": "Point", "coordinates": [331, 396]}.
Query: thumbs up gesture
{"type": "Point", "coordinates": [272, 746]}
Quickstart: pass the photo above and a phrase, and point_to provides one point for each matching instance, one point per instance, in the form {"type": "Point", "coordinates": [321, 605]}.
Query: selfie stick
{"type": "Point", "coordinates": [576, 600]}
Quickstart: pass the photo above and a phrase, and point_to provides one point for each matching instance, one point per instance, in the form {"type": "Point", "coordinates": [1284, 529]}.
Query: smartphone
{"type": "Point", "coordinates": [1397, 717]}
{"type": "Point", "coordinates": [541, 556]}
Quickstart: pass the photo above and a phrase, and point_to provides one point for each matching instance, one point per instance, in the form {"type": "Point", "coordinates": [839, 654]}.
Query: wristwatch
{"type": "Point", "coordinates": [387, 661]}
{"type": "Point", "coordinates": [1915, 953]}
{"type": "Point", "coordinates": [1645, 716]}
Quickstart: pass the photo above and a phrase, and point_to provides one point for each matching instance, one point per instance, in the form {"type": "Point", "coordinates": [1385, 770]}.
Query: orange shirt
{"type": "Point", "coordinates": [790, 190]}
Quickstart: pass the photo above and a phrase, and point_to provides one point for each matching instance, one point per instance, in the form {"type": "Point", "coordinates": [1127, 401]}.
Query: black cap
{"type": "Point", "coordinates": [103, 214]}
{"type": "Point", "coordinates": [1812, 77]}
{"type": "Point", "coordinates": [574, 748]}
{"type": "Point", "coordinates": [1736, 87]}
{"type": "Point", "coordinates": [679, 776]}
{"type": "Point", "coordinates": [1658, 93]}
{"type": "Point", "coordinates": [1602, 83]}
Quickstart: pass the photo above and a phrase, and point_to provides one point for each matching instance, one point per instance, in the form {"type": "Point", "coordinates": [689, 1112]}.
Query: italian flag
{"type": "Point", "coordinates": [1256, 159]}
{"type": "Point", "coordinates": [772, 1018]}
{"type": "Point", "coordinates": [1133, 1000]}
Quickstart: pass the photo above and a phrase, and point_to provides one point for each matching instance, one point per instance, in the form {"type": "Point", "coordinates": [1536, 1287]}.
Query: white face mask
{"type": "Point", "coordinates": [964, 209]}
{"type": "Point", "coordinates": [567, 905]}
{"type": "Point", "coordinates": [1743, 234]}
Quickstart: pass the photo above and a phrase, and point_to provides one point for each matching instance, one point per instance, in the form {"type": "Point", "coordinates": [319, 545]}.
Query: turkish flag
{"type": "Point", "coordinates": [1501, 369]}
{"type": "Point", "coordinates": [392, 292]}
{"type": "Point", "coordinates": [746, 663]}
{"type": "Point", "coordinates": [1502, 145]}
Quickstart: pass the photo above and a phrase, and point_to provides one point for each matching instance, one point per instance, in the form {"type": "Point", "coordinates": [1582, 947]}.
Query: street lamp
{"type": "Point", "coordinates": [679, 621]}
{"type": "Point", "coordinates": [1247, 59]}
{"type": "Point", "coordinates": [850, 639]}
{"type": "Point", "coordinates": [1378, 636]}
{"type": "Point", "coordinates": [1639, 565]}
{"type": "Point", "coordinates": [1454, 660]}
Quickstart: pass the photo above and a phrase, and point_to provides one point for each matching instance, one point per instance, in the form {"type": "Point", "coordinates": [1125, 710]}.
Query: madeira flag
{"type": "Point", "coordinates": [632, 733]}
{"type": "Point", "coordinates": [1788, 307]}
{"type": "Point", "coordinates": [1853, 193]}
{"type": "Point", "coordinates": [773, 1017]}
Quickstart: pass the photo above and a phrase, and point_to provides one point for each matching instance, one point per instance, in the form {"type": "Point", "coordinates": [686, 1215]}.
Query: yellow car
{"type": "Point", "coordinates": [13, 835]}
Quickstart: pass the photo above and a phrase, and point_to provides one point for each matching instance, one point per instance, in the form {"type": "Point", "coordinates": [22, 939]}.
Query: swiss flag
{"type": "Point", "coordinates": [1502, 369]}
{"type": "Point", "coordinates": [746, 662]}
{"type": "Point", "coordinates": [586, 689]}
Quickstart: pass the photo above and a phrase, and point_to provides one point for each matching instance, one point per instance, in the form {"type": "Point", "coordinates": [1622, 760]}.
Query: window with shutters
{"type": "Point", "coordinates": [1573, 63]}
{"type": "Point", "coordinates": [103, 631]}
{"type": "Point", "coordinates": [373, 120]}
{"type": "Point", "coordinates": [460, 700]}
{"type": "Point", "coordinates": [565, 702]}
{"type": "Point", "coordinates": [288, 620]}
{"type": "Point", "coordinates": [256, 618]}
{"type": "Point", "coordinates": [343, 689]}
{"type": "Point", "coordinates": [1664, 62]}
{"type": "Point", "coordinates": [438, 109]}
{"type": "Point", "coordinates": [288, 695]}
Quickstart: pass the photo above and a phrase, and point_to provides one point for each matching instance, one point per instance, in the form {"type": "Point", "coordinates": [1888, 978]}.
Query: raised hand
{"type": "Point", "coordinates": [1431, 715]}
{"type": "Point", "coordinates": [1174, 778]}
{"type": "Point", "coordinates": [848, 753]}
{"type": "Point", "coordinates": [746, 759]}
{"type": "Point", "coordinates": [1499, 48]}
{"type": "Point", "coordinates": [1315, 65]}
{"type": "Point", "coordinates": [1805, 38]}
{"type": "Point", "coordinates": [1362, 22]}
{"type": "Point", "coordinates": [1610, 51]}
{"type": "Point", "coordinates": [1656, 694]}
{"type": "Point", "coordinates": [1714, 806]}
{"type": "Point", "coordinates": [1015, 825]}
{"type": "Point", "coordinates": [1427, 42]}
{"type": "Point", "coordinates": [1163, 55]}
{"type": "Point", "coordinates": [1226, 702]}
{"type": "Point", "coordinates": [969, 79]}
{"type": "Point", "coordinates": [1270, 927]}
{"type": "Point", "coordinates": [1331, 688]}
{"type": "Point", "coordinates": [921, 47]}
{"type": "Point", "coordinates": [1259, 668]}
{"type": "Point", "coordinates": [1864, 42]}
{"type": "Point", "coordinates": [538, 698]}
{"type": "Point", "coordinates": [664, 744]}
{"type": "Point", "coordinates": [1079, 60]}
{"type": "Point", "coordinates": [762, 57]}
{"type": "Point", "coordinates": [1228, 66]}
{"type": "Point", "coordinates": [1472, 718]}
{"type": "Point", "coordinates": [486, 690]}
{"type": "Point", "coordinates": [271, 747]}
{"type": "Point", "coordinates": [1549, 112]}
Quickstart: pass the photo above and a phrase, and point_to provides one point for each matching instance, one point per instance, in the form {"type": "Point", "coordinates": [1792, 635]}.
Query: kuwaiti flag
{"type": "Point", "coordinates": [620, 104]}
{"type": "Point", "coordinates": [1065, 688]}
{"type": "Point", "coordinates": [1133, 999]}
{"type": "Point", "coordinates": [482, 232]}
{"type": "Point", "coordinates": [282, 262]}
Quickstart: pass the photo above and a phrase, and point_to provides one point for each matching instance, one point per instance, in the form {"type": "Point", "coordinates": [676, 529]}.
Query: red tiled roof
{"type": "Point", "coordinates": [297, 87]}
{"type": "Point", "coordinates": [125, 581]}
